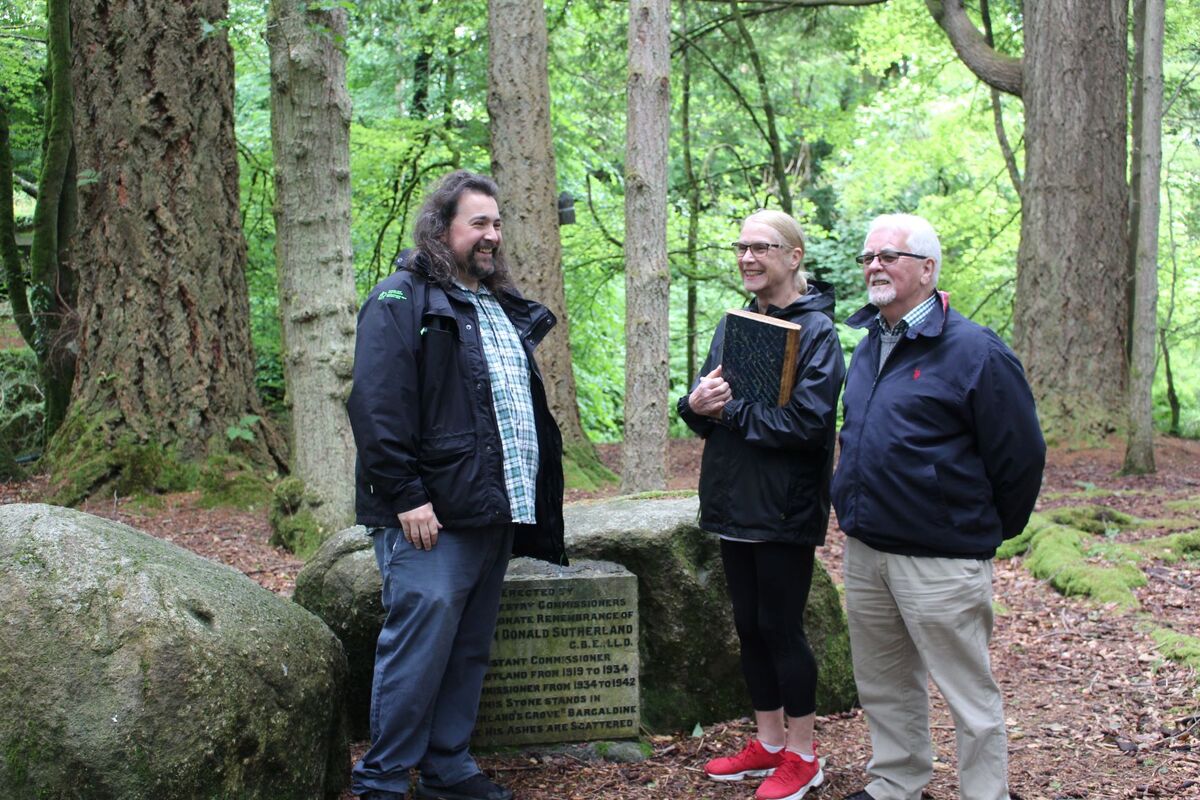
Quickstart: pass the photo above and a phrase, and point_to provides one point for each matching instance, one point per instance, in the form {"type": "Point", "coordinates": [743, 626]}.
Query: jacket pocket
{"type": "Point", "coordinates": [449, 467]}
{"type": "Point", "coordinates": [438, 448]}
{"type": "Point", "coordinates": [930, 488]}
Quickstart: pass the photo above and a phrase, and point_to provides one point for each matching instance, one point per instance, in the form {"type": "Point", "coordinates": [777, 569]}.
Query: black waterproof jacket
{"type": "Point", "coordinates": [422, 414]}
{"type": "Point", "coordinates": [765, 471]}
{"type": "Point", "coordinates": [941, 452]}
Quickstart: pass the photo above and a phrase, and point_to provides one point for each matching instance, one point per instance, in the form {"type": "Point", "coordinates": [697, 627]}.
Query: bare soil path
{"type": "Point", "coordinates": [1094, 709]}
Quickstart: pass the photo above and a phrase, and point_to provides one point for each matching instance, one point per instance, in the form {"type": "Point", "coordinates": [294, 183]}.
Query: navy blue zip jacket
{"type": "Point", "coordinates": [765, 471]}
{"type": "Point", "coordinates": [421, 411]}
{"type": "Point", "coordinates": [941, 452]}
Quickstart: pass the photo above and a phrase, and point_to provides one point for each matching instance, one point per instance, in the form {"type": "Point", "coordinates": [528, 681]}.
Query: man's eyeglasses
{"type": "Point", "coordinates": [886, 257]}
{"type": "Point", "coordinates": [758, 248]}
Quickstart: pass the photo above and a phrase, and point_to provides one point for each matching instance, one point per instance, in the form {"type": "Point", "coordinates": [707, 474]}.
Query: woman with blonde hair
{"type": "Point", "coordinates": [764, 490]}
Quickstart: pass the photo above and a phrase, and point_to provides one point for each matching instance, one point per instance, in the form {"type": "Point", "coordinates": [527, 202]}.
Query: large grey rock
{"type": "Point", "coordinates": [690, 671]}
{"type": "Point", "coordinates": [132, 668]}
{"type": "Point", "coordinates": [341, 585]}
{"type": "Point", "coordinates": [689, 650]}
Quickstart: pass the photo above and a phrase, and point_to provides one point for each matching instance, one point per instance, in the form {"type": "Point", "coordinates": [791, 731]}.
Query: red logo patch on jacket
{"type": "Point", "coordinates": [916, 373]}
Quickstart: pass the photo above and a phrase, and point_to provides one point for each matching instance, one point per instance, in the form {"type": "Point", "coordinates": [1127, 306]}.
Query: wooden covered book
{"type": "Point", "coordinates": [758, 356]}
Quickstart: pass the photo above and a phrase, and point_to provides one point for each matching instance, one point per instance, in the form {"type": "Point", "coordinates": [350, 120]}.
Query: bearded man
{"type": "Point", "coordinates": [459, 467]}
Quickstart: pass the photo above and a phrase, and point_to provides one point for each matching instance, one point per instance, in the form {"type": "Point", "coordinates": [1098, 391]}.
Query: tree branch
{"type": "Point", "coordinates": [772, 135]}
{"type": "Point", "coordinates": [599, 223]}
{"type": "Point", "coordinates": [27, 186]}
{"type": "Point", "coordinates": [1010, 161]}
{"type": "Point", "coordinates": [733, 87]}
{"type": "Point", "coordinates": [995, 69]}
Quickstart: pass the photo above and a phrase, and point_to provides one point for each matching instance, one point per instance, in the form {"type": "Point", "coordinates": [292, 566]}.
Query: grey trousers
{"type": "Point", "coordinates": [431, 655]}
{"type": "Point", "coordinates": [911, 618]}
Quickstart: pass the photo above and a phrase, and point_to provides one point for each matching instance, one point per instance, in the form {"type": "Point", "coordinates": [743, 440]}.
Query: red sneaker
{"type": "Point", "coordinates": [753, 762]}
{"type": "Point", "coordinates": [792, 778]}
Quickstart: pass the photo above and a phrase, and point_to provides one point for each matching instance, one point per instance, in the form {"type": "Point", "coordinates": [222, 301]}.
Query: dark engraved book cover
{"type": "Point", "coordinates": [758, 356]}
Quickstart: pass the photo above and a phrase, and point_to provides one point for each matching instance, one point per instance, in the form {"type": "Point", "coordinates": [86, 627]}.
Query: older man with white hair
{"type": "Point", "coordinates": [941, 460]}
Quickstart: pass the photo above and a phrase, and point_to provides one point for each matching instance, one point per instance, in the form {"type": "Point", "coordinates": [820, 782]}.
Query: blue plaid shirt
{"type": "Point", "coordinates": [508, 369]}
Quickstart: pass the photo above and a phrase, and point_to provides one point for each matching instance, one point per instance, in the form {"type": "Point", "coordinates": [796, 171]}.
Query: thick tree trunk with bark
{"type": "Point", "coordinates": [165, 357]}
{"type": "Point", "coordinates": [310, 135]}
{"type": "Point", "coordinates": [523, 165]}
{"type": "Point", "coordinates": [1071, 313]}
{"type": "Point", "coordinates": [1148, 33]}
{"type": "Point", "coordinates": [1070, 321]}
{"type": "Point", "coordinates": [647, 275]}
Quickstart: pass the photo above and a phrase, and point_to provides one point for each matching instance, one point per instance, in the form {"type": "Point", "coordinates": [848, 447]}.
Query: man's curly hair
{"type": "Point", "coordinates": [432, 229]}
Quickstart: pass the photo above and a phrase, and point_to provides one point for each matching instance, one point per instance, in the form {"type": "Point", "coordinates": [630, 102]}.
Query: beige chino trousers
{"type": "Point", "coordinates": [912, 618]}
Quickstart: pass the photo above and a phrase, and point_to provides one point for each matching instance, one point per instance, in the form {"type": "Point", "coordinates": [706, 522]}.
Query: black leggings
{"type": "Point", "coordinates": [768, 584]}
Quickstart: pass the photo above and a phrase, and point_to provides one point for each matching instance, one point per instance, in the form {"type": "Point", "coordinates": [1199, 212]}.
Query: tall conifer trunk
{"type": "Point", "coordinates": [1071, 315]}
{"type": "Point", "coordinates": [523, 166]}
{"type": "Point", "coordinates": [1071, 311]}
{"type": "Point", "coordinates": [647, 274]}
{"type": "Point", "coordinates": [310, 133]}
{"type": "Point", "coordinates": [165, 359]}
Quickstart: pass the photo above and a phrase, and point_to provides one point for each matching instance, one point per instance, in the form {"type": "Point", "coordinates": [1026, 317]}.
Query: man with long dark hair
{"type": "Point", "coordinates": [459, 466]}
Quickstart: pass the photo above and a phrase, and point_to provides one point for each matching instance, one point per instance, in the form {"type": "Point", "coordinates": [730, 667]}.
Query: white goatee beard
{"type": "Point", "coordinates": [881, 295]}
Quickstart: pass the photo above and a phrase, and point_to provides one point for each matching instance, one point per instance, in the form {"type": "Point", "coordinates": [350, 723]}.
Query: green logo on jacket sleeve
{"type": "Point", "coordinates": [392, 294]}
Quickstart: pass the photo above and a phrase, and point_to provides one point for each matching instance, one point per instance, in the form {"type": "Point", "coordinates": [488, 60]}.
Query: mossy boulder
{"type": "Point", "coordinates": [134, 668]}
{"type": "Point", "coordinates": [691, 670]}
{"type": "Point", "coordinates": [294, 525]}
{"type": "Point", "coordinates": [341, 585]}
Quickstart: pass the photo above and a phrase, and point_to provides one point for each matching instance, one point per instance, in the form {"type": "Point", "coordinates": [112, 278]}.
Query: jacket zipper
{"type": "Point", "coordinates": [878, 369]}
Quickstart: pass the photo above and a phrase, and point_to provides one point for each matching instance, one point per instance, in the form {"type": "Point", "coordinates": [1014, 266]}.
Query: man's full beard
{"type": "Point", "coordinates": [483, 271]}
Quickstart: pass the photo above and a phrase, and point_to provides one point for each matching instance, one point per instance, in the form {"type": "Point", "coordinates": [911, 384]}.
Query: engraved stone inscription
{"type": "Point", "coordinates": [564, 661]}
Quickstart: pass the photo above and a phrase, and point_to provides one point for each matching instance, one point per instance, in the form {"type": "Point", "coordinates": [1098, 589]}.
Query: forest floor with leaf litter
{"type": "Point", "coordinates": [1094, 710]}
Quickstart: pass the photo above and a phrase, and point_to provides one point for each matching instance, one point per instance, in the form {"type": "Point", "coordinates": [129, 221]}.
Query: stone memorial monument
{"type": "Point", "coordinates": [564, 661]}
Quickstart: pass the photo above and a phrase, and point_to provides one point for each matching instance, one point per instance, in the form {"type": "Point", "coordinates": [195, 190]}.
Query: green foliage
{"type": "Point", "coordinates": [22, 63]}
{"type": "Point", "coordinates": [21, 408]}
{"type": "Point", "coordinates": [243, 429]}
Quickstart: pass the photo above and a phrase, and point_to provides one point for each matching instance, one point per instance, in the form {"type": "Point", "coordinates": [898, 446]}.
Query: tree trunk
{"type": "Point", "coordinates": [165, 361]}
{"type": "Point", "coordinates": [10, 256]}
{"type": "Point", "coordinates": [310, 135]}
{"type": "Point", "coordinates": [1148, 28]}
{"type": "Point", "coordinates": [1172, 395]}
{"type": "Point", "coordinates": [51, 273]}
{"type": "Point", "coordinates": [693, 202]}
{"type": "Point", "coordinates": [523, 166]}
{"type": "Point", "coordinates": [1071, 309]}
{"type": "Point", "coordinates": [647, 275]}
{"type": "Point", "coordinates": [1070, 318]}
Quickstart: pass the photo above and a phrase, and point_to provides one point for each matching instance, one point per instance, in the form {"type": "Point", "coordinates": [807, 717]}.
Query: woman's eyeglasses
{"type": "Point", "coordinates": [758, 248]}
